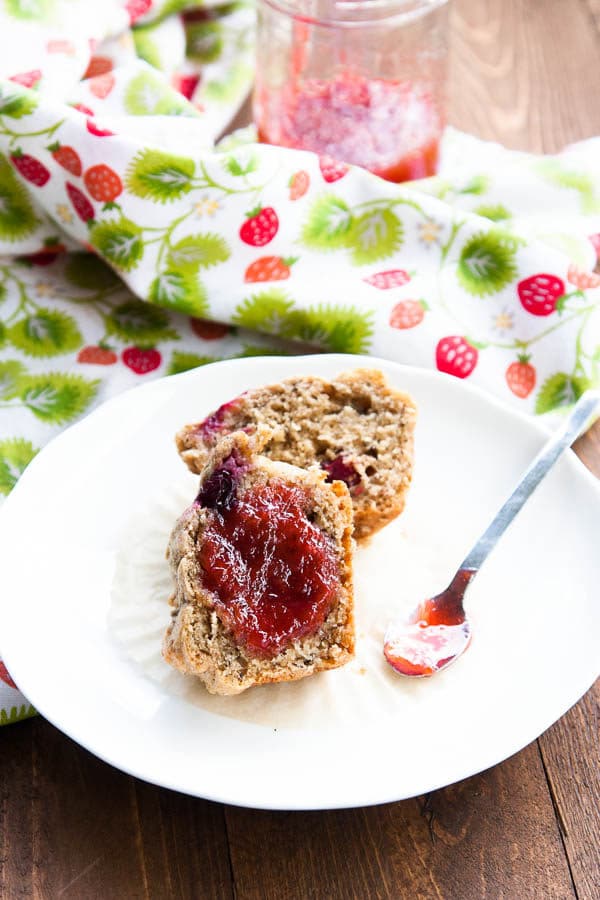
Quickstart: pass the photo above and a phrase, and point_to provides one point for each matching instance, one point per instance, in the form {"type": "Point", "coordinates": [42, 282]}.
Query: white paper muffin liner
{"type": "Point", "coordinates": [390, 575]}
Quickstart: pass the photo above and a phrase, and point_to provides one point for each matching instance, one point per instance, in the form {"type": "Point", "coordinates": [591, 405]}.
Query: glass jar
{"type": "Point", "coordinates": [361, 81]}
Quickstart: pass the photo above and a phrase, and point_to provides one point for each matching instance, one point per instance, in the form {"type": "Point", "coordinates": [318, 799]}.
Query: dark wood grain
{"type": "Point", "coordinates": [524, 72]}
{"type": "Point", "coordinates": [571, 754]}
{"type": "Point", "coordinates": [494, 835]}
{"type": "Point", "coordinates": [73, 827]}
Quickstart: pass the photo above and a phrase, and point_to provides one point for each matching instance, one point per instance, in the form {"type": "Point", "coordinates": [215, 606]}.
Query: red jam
{"type": "Point", "coordinates": [435, 635]}
{"type": "Point", "coordinates": [274, 574]}
{"type": "Point", "coordinates": [388, 127]}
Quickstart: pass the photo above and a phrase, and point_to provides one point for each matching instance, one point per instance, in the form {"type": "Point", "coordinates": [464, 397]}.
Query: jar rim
{"type": "Point", "coordinates": [354, 13]}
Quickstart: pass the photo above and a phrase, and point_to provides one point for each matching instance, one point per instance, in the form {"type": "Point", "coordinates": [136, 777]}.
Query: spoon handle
{"type": "Point", "coordinates": [531, 478]}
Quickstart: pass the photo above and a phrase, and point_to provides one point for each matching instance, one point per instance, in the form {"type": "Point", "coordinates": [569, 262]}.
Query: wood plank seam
{"type": "Point", "coordinates": [428, 813]}
{"type": "Point", "coordinates": [234, 890]}
{"type": "Point", "coordinates": [138, 836]}
{"type": "Point", "coordinates": [560, 819]}
{"type": "Point", "coordinates": [553, 796]}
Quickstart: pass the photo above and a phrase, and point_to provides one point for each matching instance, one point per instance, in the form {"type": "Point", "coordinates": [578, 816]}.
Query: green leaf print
{"type": "Point", "coordinates": [249, 350]}
{"type": "Point", "coordinates": [146, 46]}
{"type": "Point", "coordinates": [497, 212]}
{"type": "Point", "coordinates": [181, 291]}
{"type": "Point", "coordinates": [33, 10]}
{"type": "Point", "coordinates": [341, 329]}
{"type": "Point", "coordinates": [239, 166]}
{"type": "Point", "coordinates": [183, 362]}
{"type": "Point", "coordinates": [17, 218]}
{"type": "Point", "coordinates": [198, 251]}
{"type": "Point", "coordinates": [2, 334]}
{"type": "Point", "coordinates": [11, 371]}
{"type": "Point", "coordinates": [17, 714]}
{"type": "Point", "coordinates": [148, 94]}
{"type": "Point", "coordinates": [160, 176]}
{"type": "Point", "coordinates": [375, 235]}
{"type": "Point", "coordinates": [57, 398]}
{"type": "Point", "coordinates": [86, 270]}
{"type": "Point", "coordinates": [552, 171]}
{"type": "Point", "coordinates": [120, 241]}
{"type": "Point", "coordinates": [15, 456]}
{"type": "Point", "coordinates": [232, 84]}
{"type": "Point", "coordinates": [328, 225]}
{"type": "Point", "coordinates": [560, 390]}
{"type": "Point", "coordinates": [267, 311]}
{"type": "Point", "coordinates": [487, 263]}
{"type": "Point", "coordinates": [16, 103]}
{"type": "Point", "coordinates": [140, 322]}
{"type": "Point", "coordinates": [45, 333]}
{"type": "Point", "coordinates": [169, 7]}
{"type": "Point", "coordinates": [479, 184]}
{"type": "Point", "coordinates": [203, 41]}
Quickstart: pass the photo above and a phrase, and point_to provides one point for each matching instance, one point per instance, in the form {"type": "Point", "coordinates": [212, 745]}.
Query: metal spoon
{"type": "Point", "coordinates": [438, 631]}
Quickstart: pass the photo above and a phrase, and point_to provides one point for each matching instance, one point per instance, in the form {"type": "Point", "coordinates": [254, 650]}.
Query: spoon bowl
{"type": "Point", "coordinates": [438, 631]}
{"type": "Point", "coordinates": [434, 635]}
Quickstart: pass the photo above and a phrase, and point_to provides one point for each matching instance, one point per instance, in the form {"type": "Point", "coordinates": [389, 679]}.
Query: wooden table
{"type": "Point", "coordinates": [525, 72]}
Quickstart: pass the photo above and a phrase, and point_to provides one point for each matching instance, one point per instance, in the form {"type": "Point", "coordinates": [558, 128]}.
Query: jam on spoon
{"type": "Point", "coordinates": [438, 631]}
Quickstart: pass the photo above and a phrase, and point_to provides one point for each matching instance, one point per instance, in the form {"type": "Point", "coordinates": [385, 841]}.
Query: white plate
{"type": "Point", "coordinates": [83, 603]}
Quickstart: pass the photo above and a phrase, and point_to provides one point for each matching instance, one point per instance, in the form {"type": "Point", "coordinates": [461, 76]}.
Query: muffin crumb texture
{"type": "Point", "coordinates": [356, 428]}
{"type": "Point", "coordinates": [262, 567]}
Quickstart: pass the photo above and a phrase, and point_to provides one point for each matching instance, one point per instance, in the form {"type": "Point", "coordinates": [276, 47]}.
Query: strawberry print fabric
{"type": "Point", "coordinates": [132, 246]}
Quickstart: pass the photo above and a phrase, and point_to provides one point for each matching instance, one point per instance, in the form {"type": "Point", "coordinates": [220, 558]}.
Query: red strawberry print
{"type": "Point", "coordinates": [456, 356]}
{"type": "Point", "coordinates": [583, 281]}
{"type": "Point", "coordinates": [207, 330]}
{"type": "Point", "coordinates": [407, 314]}
{"type": "Point", "coordinates": [66, 157]}
{"type": "Point", "coordinates": [30, 168]}
{"type": "Point", "coordinates": [45, 257]}
{"type": "Point", "coordinates": [298, 184]}
{"type": "Point", "coordinates": [137, 8]}
{"type": "Point", "coordinates": [102, 183]}
{"type": "Point", "coordinates": [595, 242]}
{"type": "Point", "coordinates": [269, 268]}
{"type": "Point", "coordinates": [83, 109]}
{"type": "Point", "coordinates": [27, 79]}
{"type": "Point", "coordinates": [60, 46]}
{"type": "Point", "coordinates": [102, 85]}
{"type": "Point", "coordinates": [539, 293]}
{"type": "Point", "coordinates": [81, 204]}
{"type": "Point", "coordinates": [331, 169]}
{"type": "Point", "coordinates": [140, 360]}
{"type": "Point", "coordinates": [97, 356]}
{"type": "Point", "coordinates": [5, 676]}
{"type": "Point", "coordinates": [98, 65]}
{"type": "Point", "coordinates": [260, 227]}
{"type": "Point", "coordinates": [95, 129]}
{"type": "Point", "coordinates": [390, 279]}
{"type": "Point", "coordinates": [186, 84]}
{"type": "Point", "coordinates": [521, 376]}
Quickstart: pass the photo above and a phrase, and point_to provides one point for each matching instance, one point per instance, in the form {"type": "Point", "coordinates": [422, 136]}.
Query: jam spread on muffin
{"type": "Point", "coordinates": [273, 572]}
